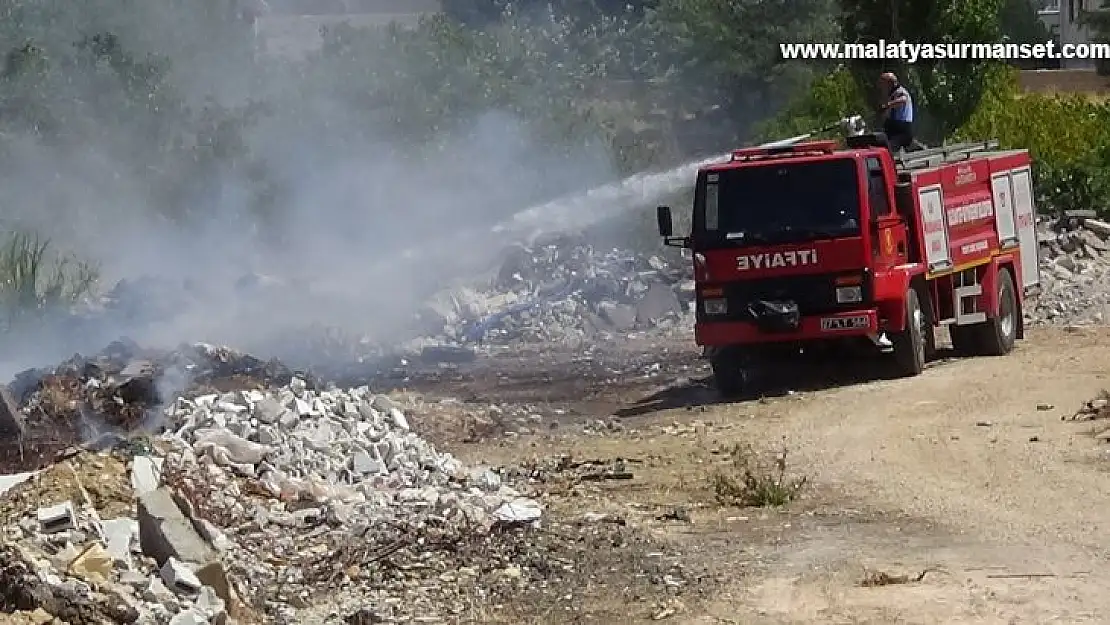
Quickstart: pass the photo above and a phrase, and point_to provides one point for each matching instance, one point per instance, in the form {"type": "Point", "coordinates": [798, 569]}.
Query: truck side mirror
{"type": "Point", "coordinates": [663, 217]}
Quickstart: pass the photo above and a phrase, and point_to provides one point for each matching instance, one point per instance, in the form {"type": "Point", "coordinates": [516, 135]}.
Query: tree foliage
{"type": "Point", "coordinates": [1068, 138]}
{"type": "Point", "coordinates": [946, 91]}
{"type": "Point", "coordinates": [131, 84]}
{"type": "Point", "coordinates": [1098, 21]}
{"type": "Point", "coordinates": [726, 51]}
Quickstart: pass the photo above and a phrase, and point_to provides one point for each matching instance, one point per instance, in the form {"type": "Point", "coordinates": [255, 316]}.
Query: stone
{"type": "Point", "coordinates": [268, 410]}
{"type": "Point", "coordinates": [519, 511]}
{"type": "Point", "coordinates": [363, 463]}
{"type": "Point", "coordinates": [179, 577]}
{"type": "Point", "coordinates": [119, 535]}
{"type": "Point", "coordinates": [165, 532]}
{"type": "Point", "coordinates": [398, 418]}
{"type": "Point", "coordinates": [190, 616]}
{"type": "Point", "coordinates": [157, 592]}
{"type": "Point", "coordinates": [146, 474]}
{"type": "Point", "coordinates": [486, 480]}
{"type": "Point", "coordinates": [209, 603]}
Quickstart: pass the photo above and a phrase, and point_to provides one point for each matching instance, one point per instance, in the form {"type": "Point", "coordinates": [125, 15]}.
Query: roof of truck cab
{"type": "Point", "coordinates": [810, 158]}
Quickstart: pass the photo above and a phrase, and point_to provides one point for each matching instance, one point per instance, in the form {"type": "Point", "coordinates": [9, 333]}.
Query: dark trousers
{"type": "Point", "coordinates": [898, 133]}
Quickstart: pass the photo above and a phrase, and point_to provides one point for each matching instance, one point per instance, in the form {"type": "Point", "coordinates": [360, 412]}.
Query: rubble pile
{"type": "Point", "coordinates": [252, 505]}
{"type": "Point", "coordinates": [563, 290]}
{"type": "Point", "coordinates": [1075, 273]}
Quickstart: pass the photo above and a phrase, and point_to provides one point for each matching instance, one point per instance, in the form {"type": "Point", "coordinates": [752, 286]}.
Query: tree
{"type": "Point", "coordinates": [1098, 20]}
{"type": "Point", "coordinates": [947, 91]}
{"type": "Point", "coordinates": [725, 53]}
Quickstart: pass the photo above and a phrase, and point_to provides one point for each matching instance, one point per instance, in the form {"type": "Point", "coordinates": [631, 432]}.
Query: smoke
{"type": "Point", "coordinates": [360, 224]}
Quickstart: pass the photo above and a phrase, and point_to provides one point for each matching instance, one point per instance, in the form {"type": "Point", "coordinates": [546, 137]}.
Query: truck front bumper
{"type": "Point", "coordinates": [812, 328]}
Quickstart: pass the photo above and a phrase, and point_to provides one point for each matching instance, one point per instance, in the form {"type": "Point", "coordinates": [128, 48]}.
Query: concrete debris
{"type": "Point", "coordinates": [1093, 409]}
{"type": "Point", "coordinates": [57, 518]}
{"type": "Point", "coordinates": [250, 504]}
{"type": "Point", "coordinates": [563, 289]}
{"type": "Point", "coordinates": [1075, 274]}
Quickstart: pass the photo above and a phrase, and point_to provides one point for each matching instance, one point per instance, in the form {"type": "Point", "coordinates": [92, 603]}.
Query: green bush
{"type": "Point", "coordinates": [35, 281]}
{"type": "Point", "coordinates": [831, 97]}
{"type": "Point", "coordinates": [1067, 137]}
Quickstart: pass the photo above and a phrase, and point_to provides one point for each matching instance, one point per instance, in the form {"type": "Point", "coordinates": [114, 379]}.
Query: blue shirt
{"type": "Point", "coordinates": [902, 112]}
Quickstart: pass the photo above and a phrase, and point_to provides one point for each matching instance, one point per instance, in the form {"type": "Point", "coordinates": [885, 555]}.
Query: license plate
{"type": "Point", "coordinates": [831, 324]}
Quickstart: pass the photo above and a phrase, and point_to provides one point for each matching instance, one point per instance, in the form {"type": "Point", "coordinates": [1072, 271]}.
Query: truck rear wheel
{"type": "Point", "coordinates": [729, 375]}
{"type": "Point", "coordinates": [996, 336]}
{"type": "Point", "coordinates": [910, 344]}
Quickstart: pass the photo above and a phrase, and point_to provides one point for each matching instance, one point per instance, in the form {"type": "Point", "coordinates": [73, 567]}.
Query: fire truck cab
{"type": "Point", "coordinates": [802, 247]}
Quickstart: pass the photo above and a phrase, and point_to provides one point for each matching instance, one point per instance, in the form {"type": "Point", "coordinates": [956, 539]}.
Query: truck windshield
{"type": "Point", "coordinates": [778, 203]}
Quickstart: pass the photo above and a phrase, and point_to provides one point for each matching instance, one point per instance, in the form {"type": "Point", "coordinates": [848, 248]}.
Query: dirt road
{"type": "Point", "coordinates": [966, 473]}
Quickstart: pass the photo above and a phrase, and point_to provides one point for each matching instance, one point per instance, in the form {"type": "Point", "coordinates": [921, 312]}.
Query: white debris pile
{"type": "Point", "coordinates": [1075, 274]}
{"type": "Point", "coordinates": [564, 289]}
{"type": "Point", "coordinates": [334, 470]}
{"type": "Point", "coordinates": [254, 506]}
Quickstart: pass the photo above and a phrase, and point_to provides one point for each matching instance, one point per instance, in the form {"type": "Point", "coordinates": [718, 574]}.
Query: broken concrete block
{"type": "Point", "coordinates": [8, 482]}
{"type": "Point", "coordinates": [189, 617]}
{"type": "Point", "coordinates": [519, 511]}
{"type": "Point", "coordinates": [146, 474]}
{"type": "Point", "coordinates": [179, 577]}
{"type": "Point", "coordinates": [268, 411]}
{"type": "Point", "coordinates": [399, 419]}
{"type": "Point", "coordinates": [118, 534]}
{"type": "Point", "coordinates": [209, 603]}
{"type": "Point", "coordinates": [165, 531]}
{"type": "Point", "coordinates": [57, 518]}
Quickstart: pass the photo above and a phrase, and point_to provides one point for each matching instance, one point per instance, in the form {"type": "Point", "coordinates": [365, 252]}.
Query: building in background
{"type": "Point", "coordinates": [1063, 17]}
{"type": "Point", "coordinates": [292, 28]}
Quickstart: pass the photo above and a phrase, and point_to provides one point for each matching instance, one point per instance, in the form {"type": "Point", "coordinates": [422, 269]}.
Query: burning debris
{"type": "Point", "coordinates": [116, 391]}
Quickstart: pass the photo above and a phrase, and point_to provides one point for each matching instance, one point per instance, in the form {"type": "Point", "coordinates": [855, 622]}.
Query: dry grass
{"type": "Point", "coordinates": [748, 482]}
{"type": "Point", "coordinates": [874, 579]}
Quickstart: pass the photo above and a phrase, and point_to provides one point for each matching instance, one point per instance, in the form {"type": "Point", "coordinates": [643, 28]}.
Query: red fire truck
{"type": "Point", "coordinates": [803, 246]}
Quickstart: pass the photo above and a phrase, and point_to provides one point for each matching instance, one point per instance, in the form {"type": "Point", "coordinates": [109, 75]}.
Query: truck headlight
{"type": "Point", "coordinates": [849, 294]}
{"type": "Point", "coordinates": [718, 306]}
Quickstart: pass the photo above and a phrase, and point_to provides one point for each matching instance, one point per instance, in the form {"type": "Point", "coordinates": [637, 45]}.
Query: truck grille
{"type": "Point", "coordinates": [814, 294]}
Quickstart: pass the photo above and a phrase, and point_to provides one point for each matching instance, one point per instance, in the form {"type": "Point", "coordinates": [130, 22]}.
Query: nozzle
{"type": "Point", "coordinates": [853, 126]}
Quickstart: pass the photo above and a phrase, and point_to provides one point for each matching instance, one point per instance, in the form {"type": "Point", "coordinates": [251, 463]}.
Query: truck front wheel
{"type": "Point", "coordinates": [910, 344]}
{"type": "Point", "coordinates": [729, 375]}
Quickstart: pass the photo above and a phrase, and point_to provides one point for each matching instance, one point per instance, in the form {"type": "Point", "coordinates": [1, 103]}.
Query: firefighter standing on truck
{"type": "Point", "coordinates": [898, 110]}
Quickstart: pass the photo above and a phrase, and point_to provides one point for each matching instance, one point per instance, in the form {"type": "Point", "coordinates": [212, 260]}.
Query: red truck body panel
{"type": "Point", "coordinates": [957, 223]}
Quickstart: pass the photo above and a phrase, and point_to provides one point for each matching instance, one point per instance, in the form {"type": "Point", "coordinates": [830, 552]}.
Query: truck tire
{"type": "Point", "coordinates": [910, 344]}
{"type": "Point", "coordinates": [729, 375]}
{"type": "Point", "coordinates": [996, 336]}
